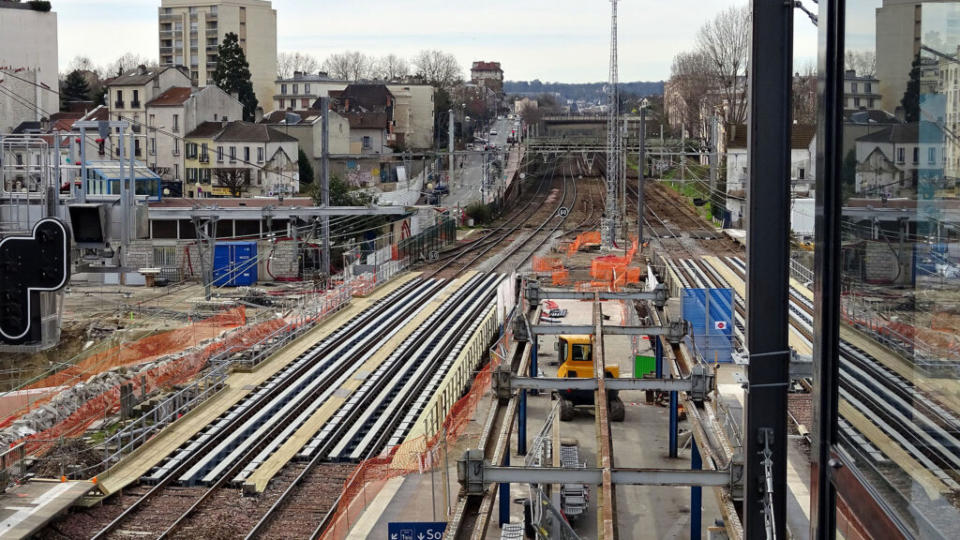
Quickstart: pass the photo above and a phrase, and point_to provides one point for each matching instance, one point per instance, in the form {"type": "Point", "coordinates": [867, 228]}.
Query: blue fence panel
{"type": "Point", "coordinates": [710, 313]}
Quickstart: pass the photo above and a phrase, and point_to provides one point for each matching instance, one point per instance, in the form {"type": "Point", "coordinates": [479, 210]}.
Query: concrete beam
{"type": "Point", "coordinates": [556, 383]}
{"type": "Point", "coordinates": [276, 212]}
{"type": "Point", "coordinates": [627, 476]}
{"type": "Point", "coordinates": [561, 329]}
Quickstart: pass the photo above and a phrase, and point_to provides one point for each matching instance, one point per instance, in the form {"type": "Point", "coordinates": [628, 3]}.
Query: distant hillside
{"type": "Point", "coordinates": [587, 91]}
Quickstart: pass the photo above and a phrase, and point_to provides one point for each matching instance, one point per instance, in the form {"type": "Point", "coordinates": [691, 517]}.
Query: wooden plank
{"type": "Point", "coordinates": [239, 384]}
{"type": "Point", "coordinates": [261, 477]}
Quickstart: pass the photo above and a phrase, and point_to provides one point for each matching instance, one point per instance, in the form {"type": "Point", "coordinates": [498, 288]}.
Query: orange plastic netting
{"type": "Point", "coordinates": [417, 454]}
{"type": "Point", "coordinates": [546, 264]}
{"type": "Point", "coordinates": [139, 351]}
{"type": "Point", "coordinates": [162, 376]}
{"type": "Point", "coordinates": [582, 239]}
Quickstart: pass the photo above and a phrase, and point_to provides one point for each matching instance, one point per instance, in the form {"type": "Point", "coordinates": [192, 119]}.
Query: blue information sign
{"type": "Point", "coordinates": [423, 530]}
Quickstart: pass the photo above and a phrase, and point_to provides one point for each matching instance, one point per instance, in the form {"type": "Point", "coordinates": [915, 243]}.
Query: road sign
{"type": "Point", "coordinates": [562, 212]}
{"type": "Point", "coordinates": [720, 325]}
{"type": "Point", "coordinates": [424, 530]}
{"type": "Point", "coordinates": [434, 255]}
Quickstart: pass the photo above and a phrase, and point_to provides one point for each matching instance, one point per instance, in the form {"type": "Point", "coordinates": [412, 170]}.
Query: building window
{"type": "Point", "coordinates": [306, 88]}
{"type": "Point", "coordinates": [136, 99]}
{"type": "Point", "coordinates": [152, 119]}
{"type": "Point", "coordinates": [219, 154]}
{"type": "Point", "coordinates": [204, 156]}
{"type": "Point", "coordinates": [367, 142]}
{"type": "Point", "coordinates": [900, 155]}
{"type": "Point", "coordinates": [295, 87]}
{"type": "Point", "coordinates": [246, 154]}
{"type": "Point", "coordinates": [305, 103]}
{"type": "Point", "coordinates": [233, 154]}
{"type": "Point", "coordinates": [259, 154]}
{"type": "Point", "coordinates": [281, 104]}
{"type": "Point", "coordinates": [802, 173]}
{"type": "Point", "coordinates": [153, 146]}
{"type": "Point", "coordinates": [856, 102]}
{"type": "Point", "coordinates": [866, 88]}
{"type": "Point", "coordinates": [165, 256]}
{"type": "Point", "coordinates": [916, 154]}
{"type": "Point", "coordinates": [283, 89]}
{"type": "Point", "coordinates": [176, 171]}
{"type": "Point", "coordinates": [176, 123]}
{"type": "Point", "coordinates": [119, 102]}
{"type": "Point", "coordinates": [932, 155]}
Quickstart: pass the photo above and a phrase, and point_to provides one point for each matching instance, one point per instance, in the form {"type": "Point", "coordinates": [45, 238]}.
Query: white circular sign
{"type": "Point", "coordinates": [562, 212]}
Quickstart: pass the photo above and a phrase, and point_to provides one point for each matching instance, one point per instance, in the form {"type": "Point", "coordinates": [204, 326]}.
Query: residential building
{"type": "Point", "coordinates": [265, 158]}
{"type": "Point", "coordinates": [28, 64]}
{"type": "Point", "coordinates": [802, 177]}
{"type": "Point", "coordinates": [891, 162]}
{"type": "Point", "coordinates": [857, 123]}
{"type": "Point", "coordinates": [176, 112]}
{"type": "Point", "coordinates": [307, 127]}
{"type": "Point", "coordinates": [191, 30]}
{"type": "Point", "coordinates": [369, 108]}
{"type": "Point", "coordinates": [860, 91]}
{"type": "Point", "coordinates": [414, 115]}
{"type": "Point", "coordinates": [487, 74]}
{"type": "Point", "coordinates": [299, 92]}
{"type": "Point", "coordinates": [128, 94]}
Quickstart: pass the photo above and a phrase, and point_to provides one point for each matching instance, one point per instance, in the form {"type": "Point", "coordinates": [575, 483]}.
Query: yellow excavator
{"type": "Point", "coordinates": [576, 361]}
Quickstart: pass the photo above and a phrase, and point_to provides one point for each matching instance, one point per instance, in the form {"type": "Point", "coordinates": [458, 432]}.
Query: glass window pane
{"type": "Point", "coordinates": [900, 350]}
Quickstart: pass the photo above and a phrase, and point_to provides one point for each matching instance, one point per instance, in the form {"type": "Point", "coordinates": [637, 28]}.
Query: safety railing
{"type": "Point", "coordinates": [800, 272]}
{"type": "Point", "coordinates": [11, 464]}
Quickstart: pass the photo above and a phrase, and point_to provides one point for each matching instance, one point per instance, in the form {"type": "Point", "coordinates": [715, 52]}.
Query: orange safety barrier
{"type": "Point", "coordinates": [560, 277]}
{"type": "Point", "coordinates": [546, 264]}
{"type": "Point", "coordinates": [419, 454]}
{"type": "Point", "coordinates": [162, 376]}
{"type": "Point", "coordinates": [140, 351]}
{"type": "Point", "coordinates": [582, 239]}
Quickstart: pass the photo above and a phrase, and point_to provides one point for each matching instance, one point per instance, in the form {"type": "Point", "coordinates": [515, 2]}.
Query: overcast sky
{"type": "Point", "coordinates": [550, 40]}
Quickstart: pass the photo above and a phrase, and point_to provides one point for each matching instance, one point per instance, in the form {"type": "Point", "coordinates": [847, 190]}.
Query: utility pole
{"type": "Point", "coordinates": [712, 157]}
{"type": "Point", "coordinates": [609, 233]}
{"type": "Point", "coordinates": [450, 145]}
{"type": "Point", "coordinates": [641, 165]}
{"type": "Point", "coordinates": [325, 182]}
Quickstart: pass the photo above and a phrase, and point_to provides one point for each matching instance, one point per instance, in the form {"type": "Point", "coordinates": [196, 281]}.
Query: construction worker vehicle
{"type": "Point", "coordinates": [576, 361]}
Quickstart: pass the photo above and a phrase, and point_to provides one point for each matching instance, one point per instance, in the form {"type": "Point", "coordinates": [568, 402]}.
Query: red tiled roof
{"type": "Point", "coordinates": [173, 96]}
{"type": "Point", "coordinates": [486, 66]}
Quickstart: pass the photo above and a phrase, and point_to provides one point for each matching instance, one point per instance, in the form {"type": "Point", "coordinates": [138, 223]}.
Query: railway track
{"type": "Point", "coordinates": [913, 420]}
{"type": "Point", "coordinates": [200, 474]}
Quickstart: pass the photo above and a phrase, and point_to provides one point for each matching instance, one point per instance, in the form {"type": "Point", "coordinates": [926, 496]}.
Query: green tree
{"type": "Point", "coordinates": [306, 169]}
{"type": "Point", "coordinates": [75, 88]}
{"type": "Point", "coordinates": [233, 74]}
{"type": "Point", "coordinates": [340, 194]}
{"type": "Point", "coordinates": [911, 97]}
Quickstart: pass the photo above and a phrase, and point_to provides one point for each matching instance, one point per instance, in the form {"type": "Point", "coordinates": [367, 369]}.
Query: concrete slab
{"type": "Point", "coordinates": [130, 469]}
{"type": "Point", "coordinates": [26, 508]}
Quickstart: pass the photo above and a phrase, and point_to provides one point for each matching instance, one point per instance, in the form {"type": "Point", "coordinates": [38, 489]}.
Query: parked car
{"type": "Point", "coordinates": [442, 189]}
{"type": "Point", "coordinates": [493, 132]}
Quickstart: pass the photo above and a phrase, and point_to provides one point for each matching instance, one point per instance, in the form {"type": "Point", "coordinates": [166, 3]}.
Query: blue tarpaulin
{"type": "Point", "coordinates": [710, 313]}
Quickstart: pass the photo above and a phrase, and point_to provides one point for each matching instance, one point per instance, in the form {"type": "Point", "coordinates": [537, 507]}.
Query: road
{"type": "Point", "coordinates": [468, 175]}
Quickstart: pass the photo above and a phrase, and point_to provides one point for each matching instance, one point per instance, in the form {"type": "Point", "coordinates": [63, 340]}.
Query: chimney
{"type": "Point", "coordinates": [900, 113]}
{"type": "Point", "coordinates": [44, 125]}
{"type": "Point", "coordinates": [297, 74]}
{"type": "Point", "coordinates": [142, 69]}
{"type": "Point", "coordinates": [258, 115]}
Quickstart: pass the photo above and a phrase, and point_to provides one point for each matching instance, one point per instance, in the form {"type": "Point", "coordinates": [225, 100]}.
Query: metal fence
{"type": "Point", "coordinates": [426, 245]}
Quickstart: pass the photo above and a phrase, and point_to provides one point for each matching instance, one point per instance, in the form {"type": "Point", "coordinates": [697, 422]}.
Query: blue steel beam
{"type": "Point", "coordinates": [673, 424]}
{"type": "Point", "coordinates": [696, 492]}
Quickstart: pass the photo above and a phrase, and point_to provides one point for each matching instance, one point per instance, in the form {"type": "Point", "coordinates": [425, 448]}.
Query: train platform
{"type": "Point", "coordinates": [239, 384]}
{"type": "Point", "coordinates": [28, 507]}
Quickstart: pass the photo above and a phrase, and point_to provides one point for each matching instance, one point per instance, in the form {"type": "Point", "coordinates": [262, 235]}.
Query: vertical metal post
{"type": "Point", "coordinates": [826, 284]}
{"type": "Point", "coordinates": [658, 356]}
{"type": "Point", "coordinates": [450, 145]}
{"type": "Point", "coordinates": [534, 347]}
{"type": "Point", "coordinates": [522, 424]}
{"type": "Point", "coordinates": [768, 138]}
{"type": "Point", "coordinates": [53, 191]}
{"type": "Point", "coordinates": [674, 404]}
{"type": "Point", "coordinates": [83, 165]}
{"type": "Point", "coordinates": [712, 158]}
{"type": "Point", "coordinates": [641, 165]}
{"type": "Point", "coordinates": [325, 182]}
{"type": "Point", "coordinates": [696, 493]}
{"type": "Point", "coordinates": [505, 494]}
{"type": "Point", "coordinates": [124, 201]}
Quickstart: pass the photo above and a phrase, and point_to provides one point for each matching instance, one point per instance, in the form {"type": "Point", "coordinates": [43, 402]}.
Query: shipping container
{"type": "Point", "coordinates": [235, 264]}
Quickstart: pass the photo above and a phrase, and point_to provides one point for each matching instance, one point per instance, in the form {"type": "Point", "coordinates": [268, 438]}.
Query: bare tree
{"type": "Point", "coordinates": [348, 65]}
{"type": "Point", "coordinates": [689, 86]}
{"type": "Point", "coordinates": [391, 67]}
{"type": "Point", "coordinates": [725, 42]}
{"type": "Point", "coordinates": [81, 63]}
{"type": "Point", "coordinates": [805, 95]}
{"type": "Point", "coordinates": [438, 68]}
{"type": "Point", "coordinates": [126, 62]}
{"type": "Point", "coordinates": [289, 62]}
{"type": "Point", "coordinates": [233, 178]}
{"type": "Point", "coordinates": [864, 63]}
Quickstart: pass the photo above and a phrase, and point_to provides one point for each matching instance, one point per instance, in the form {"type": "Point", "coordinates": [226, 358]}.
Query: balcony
{"type": "Point", "coordinates": [204, 158]}
{"type": "Point", "coordinates": [212, 47]}
{"type": "Point", "coordinates": [118, 104]}
{"type": "Point", "coordinates": [135, 128]}
{"type": "Point", "coordinates": [135, 104]}
{"type": "Point", "coordinates": [166, 50]}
